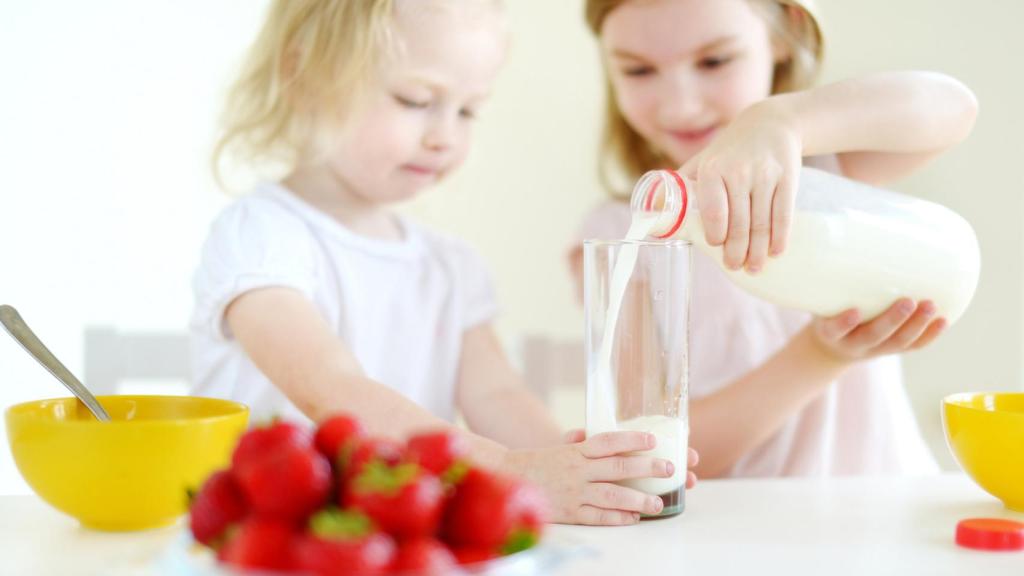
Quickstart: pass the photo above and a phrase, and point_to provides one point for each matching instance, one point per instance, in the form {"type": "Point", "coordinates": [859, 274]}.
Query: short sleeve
{"type": "Point", "coordinates": [476, 286]}
{"type": "Point", "coordinates": [255, 243]}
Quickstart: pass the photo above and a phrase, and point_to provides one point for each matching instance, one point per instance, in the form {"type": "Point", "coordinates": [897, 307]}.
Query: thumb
{"type": "Point", "coordinates": [573, 436]}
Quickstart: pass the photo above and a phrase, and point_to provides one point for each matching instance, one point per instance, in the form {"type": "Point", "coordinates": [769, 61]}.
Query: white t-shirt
{"type": "Point", "coordinates": [861, 424]}
{"type": "Point", "coordinates": [400, 306]}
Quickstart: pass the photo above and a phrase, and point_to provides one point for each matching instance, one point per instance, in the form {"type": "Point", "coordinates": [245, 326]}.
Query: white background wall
{"type": "Point", "coordinates": [107, 111]}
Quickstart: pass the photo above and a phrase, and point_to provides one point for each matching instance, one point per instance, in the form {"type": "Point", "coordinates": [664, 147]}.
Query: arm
{"type": "Point", "coordinates": [730, 423]}
{"type": "Point", "coordinates": [287, 339]}
{"type": "Point", "coordinates": [881, 126]}
{"type": "Point", "coordinates": [298, 352]}
{"type": "Point", "coordinates": [493, 398]}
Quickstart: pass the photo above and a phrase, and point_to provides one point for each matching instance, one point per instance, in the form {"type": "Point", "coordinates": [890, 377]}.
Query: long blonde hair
{"type": "Point", "coordinates": [624, 152]}
{"type": "Point", "coordinates": [301, 73]}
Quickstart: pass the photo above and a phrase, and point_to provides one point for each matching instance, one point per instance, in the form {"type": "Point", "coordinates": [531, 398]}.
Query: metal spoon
{"type": "Point", "coordinates": [17, 328]}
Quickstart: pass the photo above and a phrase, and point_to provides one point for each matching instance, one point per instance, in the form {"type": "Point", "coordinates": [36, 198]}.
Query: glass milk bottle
{"type": "Point", "coordinates": [636, 303]}
{"type": "Point", "coordinates": [851, 246]}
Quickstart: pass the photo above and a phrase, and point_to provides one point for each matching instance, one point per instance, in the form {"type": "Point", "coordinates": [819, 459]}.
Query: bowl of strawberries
{"type": "Point", "coordinates": [333, 500]}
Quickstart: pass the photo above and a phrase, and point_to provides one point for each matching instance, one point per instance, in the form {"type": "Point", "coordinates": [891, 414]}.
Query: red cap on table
{"type": "Point", "coordinates": [990, 534]}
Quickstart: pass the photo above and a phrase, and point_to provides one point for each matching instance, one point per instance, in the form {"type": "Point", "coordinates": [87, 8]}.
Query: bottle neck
{"type": "Point", "coordinates": [660, 196]}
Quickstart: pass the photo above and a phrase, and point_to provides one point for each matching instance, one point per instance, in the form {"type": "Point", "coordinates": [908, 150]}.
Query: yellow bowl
{"type": "Point", "coordinates": [985, 432]}
{"type": "Point", "coordinates": [131, 473]}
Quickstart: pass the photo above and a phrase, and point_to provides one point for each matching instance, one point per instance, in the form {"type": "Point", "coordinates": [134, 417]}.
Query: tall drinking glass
{"type": "Point", "coordinates": [636, 303]}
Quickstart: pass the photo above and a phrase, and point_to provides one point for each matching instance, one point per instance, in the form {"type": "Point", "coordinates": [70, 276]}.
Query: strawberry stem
{"type": "Point", "coordinates": [335, 524]}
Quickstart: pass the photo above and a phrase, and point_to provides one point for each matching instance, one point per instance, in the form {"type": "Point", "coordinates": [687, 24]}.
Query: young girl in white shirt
{"type": "Point", "coordinates": [313, 297]}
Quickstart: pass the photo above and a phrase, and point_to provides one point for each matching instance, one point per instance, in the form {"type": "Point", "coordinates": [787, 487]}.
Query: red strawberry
{"type": "Point", "coordinates": [265, 439]}
{"type": "Point", "coordinates": [337, 434]}
{"type": "Point", "coordinates": [343, 543]}
{"type": "Point", "coordinates": [473, 555]}
{"type": "Point", "coordinates": [494, 512]}
{"type": "Point", "coordinates": [424, 557]}
{"type": "Point", "coordinates": [218, 505]}
{"type": "Point", "coordinates": [438, 452]}
{"type": "Point", "coordinates": [404, 500]}
{"type": "Point", "coordinates": [259, 543]}
{"type": "Point", "coordinates": [288, 483]}
{"type": "Point", "coordinates": [384, 450]}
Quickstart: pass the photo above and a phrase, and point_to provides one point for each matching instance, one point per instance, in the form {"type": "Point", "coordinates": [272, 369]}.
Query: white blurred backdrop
{"type": "Point", "coordinates": [108, 110]}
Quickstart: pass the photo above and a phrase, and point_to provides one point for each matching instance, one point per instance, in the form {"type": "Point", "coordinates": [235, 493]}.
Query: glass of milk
{"type": "Point", "coordinates": [636, 306]}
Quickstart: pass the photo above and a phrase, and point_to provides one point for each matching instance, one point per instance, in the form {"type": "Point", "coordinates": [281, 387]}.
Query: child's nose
{"type": "Point", "coordinates": [440, 134]}
{"type": "Point", "coordinates": [680, 101]}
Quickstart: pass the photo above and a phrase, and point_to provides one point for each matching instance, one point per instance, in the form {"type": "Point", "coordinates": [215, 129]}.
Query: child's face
{"type": "Point", "coordinates": [413, 125]}
{"type": "Point", "coordinates": [683, 69]}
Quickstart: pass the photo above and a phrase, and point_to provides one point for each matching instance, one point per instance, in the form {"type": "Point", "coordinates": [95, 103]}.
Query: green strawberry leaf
{"type": "Point", "coordinates": [518, 541]}
{"type": "Point", "coordinates": [377, 476]}
{"type": "Point", "coordinates": [336, 524]}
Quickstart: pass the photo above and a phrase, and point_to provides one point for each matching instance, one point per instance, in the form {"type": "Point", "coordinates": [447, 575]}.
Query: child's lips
{"type": "Point", "coordinates": [420, 170]}
{"type": "Point", "coordinates": [693, 136]}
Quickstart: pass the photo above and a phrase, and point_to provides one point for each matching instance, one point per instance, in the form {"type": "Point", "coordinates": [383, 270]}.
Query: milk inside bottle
{"type": "Point", "coordinates": [636, 301]}
{"type": "Point", "coordinates": [851, 246]}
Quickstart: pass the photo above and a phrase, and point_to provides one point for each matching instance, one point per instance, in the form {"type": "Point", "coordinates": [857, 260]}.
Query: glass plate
{"type": "Point", "coordinates": [186, 558]}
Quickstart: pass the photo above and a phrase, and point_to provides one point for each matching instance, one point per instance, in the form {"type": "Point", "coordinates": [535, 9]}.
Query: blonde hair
{"type": "Point", "coordinates": [300, 73]}
{"type": "Point", "coordinates": [625, 152]}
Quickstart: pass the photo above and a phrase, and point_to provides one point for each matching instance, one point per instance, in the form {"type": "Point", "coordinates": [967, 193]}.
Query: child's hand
{"type": "Point", "coordinates": [904, 326]}
{"type": "Point", "coordinates": [746, 186]}
{"type": "Point", "coordinates": [577, 477]}
{"type": "Point", "coordinates": [692, 458]}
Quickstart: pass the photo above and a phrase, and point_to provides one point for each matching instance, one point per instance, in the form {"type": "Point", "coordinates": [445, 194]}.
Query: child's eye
{"type": "Point", "coordinates": [638, 71]}
{"type": "Point", "coordinates": [713, 62]}
{"type": "Point", "coordinates": [467, 113]}
{"type": "Point", "coordinates": [411, 103]}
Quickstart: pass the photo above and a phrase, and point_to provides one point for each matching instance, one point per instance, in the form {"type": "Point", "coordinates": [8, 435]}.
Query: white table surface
{"type": "Point", "coordinates": [786, 526]}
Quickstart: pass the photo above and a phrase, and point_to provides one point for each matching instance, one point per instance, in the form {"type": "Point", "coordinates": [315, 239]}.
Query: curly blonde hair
{"type": "Point", "coordinates": [301, 70]}
{"type": "Point", "coordinates": [625, 152]}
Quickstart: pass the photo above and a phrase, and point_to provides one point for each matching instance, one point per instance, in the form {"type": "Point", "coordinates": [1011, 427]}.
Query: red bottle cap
{"type": "Point", "coordinates": [990, 534]}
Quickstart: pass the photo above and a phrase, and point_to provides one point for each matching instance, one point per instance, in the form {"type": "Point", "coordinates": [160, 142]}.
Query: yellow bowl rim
{"type": "Point", "coordinates": [14, 412]}
{"type": "Point", "coordinates": [961, 400]}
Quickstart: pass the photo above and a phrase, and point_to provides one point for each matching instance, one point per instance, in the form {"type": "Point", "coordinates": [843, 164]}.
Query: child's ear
{"type": "Point", "coordinates": [794, 19]}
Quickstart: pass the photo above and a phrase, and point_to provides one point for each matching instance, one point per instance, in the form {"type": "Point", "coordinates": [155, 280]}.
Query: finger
{"type": "Point", "coordinates": [871, 334]}
{"type": "Point", "coordinates": [930, 334]}
{"type": "Point", "coordinates": [615, 497]}
{"type": "Point", "coordinates": [713, 206]}
{"type": "Point", "coordinates": [782, 210]}
{"type": "Point", "coordinates": [910, 331]}
{"type": "Point", "coordinates": [616, 468]}
{"type": "Point", "coordinates": [838, 327]}
{"type": "Point", "coordinates": [737, 240]}
{"type": "Point", "coordinates": [690, 170]}
{"type": "Point", "coordinates": [760, 223]}
{"type": "Point", "coordinates": [612, 443]}
{"type": "Point", "coordinates": [692, 458]}
{"type": "Point", "coordinates": [691, 480]}
{"type": "Point", "coordinates": [573, 436]}
{"type": "Point", "coordinates": [594, 516]}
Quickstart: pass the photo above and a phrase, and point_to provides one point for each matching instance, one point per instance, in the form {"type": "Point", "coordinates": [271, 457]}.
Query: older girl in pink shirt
{"type": "Point", "coordinates": [721, 88]}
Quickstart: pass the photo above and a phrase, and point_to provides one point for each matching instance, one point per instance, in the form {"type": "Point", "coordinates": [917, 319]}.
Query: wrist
{"type": "Point", "coordinates": [489, 454]}
{"type": "Point", "coordinates": [782, 111]}
{"type": "Point", "coordinates": [820, 353]}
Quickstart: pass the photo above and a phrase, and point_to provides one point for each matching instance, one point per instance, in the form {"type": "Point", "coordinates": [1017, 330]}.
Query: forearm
{"type": "Point", "coordinates": [900, 112]}
{"type": "Point", "coordinates": [514, 417]}
{"type": "Point", "coordinates": [730, 423]}
{"type": "Point", "coordinates": [383, 411]}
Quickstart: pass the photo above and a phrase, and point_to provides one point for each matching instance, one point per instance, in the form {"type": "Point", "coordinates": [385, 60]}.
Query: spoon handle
{"type": "Point", "coordinates": [18, 329]}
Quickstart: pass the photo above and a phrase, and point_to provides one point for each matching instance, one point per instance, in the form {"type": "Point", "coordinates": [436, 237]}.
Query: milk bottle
{"type": "Point", "coordinates": [851, 246]}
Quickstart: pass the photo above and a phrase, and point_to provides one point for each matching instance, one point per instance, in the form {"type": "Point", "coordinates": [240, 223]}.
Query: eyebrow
{"type": "Point", "coordinates": [708, 46]}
